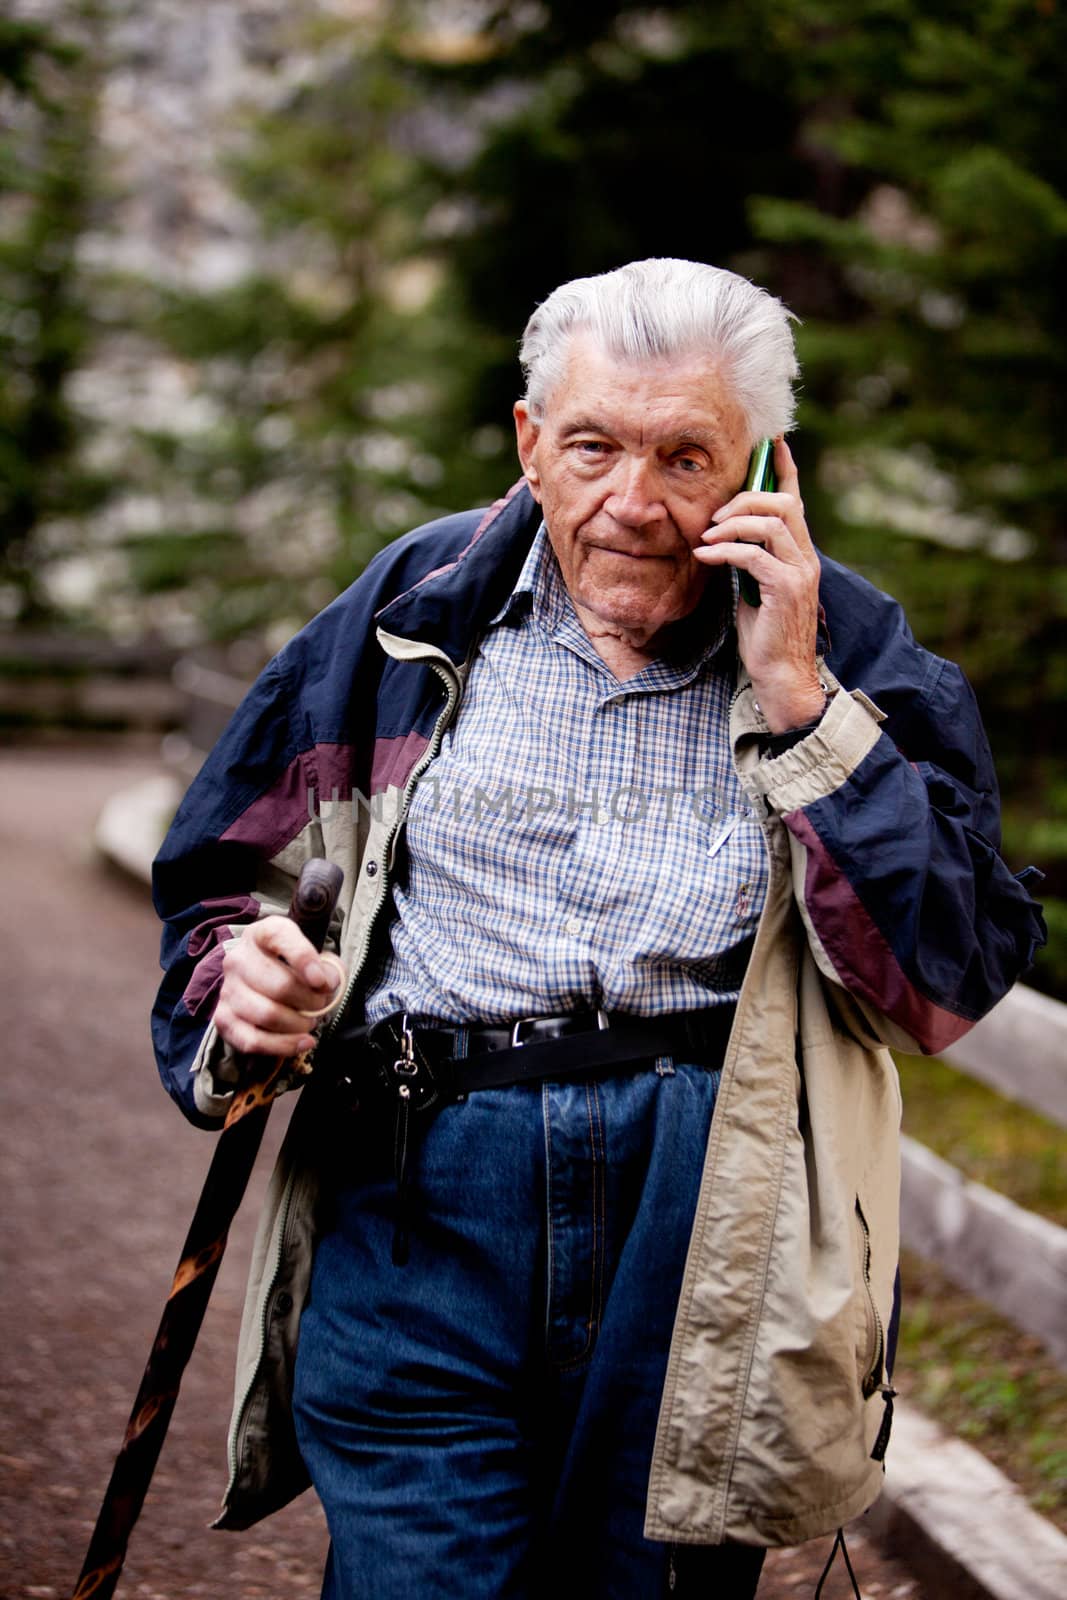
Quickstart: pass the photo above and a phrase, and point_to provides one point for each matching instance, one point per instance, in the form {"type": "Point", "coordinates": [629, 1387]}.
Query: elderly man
{"type": "Point", "coordinates": [587, 1218]}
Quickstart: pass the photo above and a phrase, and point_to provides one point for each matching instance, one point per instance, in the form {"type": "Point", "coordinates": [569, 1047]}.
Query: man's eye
{"type": "Point", "coordinates": [686, 463]}
{"type": "Point", "coordinates": [591, 447]}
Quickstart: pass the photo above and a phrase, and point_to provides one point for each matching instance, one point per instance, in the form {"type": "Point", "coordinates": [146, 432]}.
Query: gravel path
{"type": "Point", "coordinates": [100, 1178]}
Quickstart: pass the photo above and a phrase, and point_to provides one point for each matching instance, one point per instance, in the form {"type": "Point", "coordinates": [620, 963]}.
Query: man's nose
{"type": "Point", "coordinates": [635, 492]}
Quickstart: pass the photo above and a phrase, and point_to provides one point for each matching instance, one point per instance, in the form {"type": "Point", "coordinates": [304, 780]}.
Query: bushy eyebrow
{"type": "Point", "coordinates": [582, 425]}
{"type": "Point", "coordinates": [685, 436]}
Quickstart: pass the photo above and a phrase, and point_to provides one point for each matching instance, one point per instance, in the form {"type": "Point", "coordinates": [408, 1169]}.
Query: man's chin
{"type": "Point", "coordinates": [634, 609]}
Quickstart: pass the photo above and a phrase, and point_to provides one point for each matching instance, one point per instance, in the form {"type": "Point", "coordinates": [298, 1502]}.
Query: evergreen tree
{"type": "Point", "coordinates": [419, 187]}
{"type": "Point", "coordinates": [934, 387]}
{"type": "Point", "coordinates": [325, 368]}
{"type": "Point", "coordinates": [600, 134]}
{"type": "Point", "coordinates": [47, 88]}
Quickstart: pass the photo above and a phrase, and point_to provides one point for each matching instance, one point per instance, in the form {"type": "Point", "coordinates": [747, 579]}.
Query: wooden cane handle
{"type": "Point", "coordinates": [314, 899]}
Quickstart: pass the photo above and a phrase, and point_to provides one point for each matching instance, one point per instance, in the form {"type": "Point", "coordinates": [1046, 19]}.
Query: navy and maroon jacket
{"type": "Point", "coordinates": [905, 897]}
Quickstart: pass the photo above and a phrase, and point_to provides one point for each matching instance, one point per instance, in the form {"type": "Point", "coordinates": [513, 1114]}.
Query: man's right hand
{"type": "Point", "coordinates": [269, 977]}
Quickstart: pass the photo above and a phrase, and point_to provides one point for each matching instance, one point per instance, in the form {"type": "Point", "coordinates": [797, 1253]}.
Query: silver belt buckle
{"type": "Point", "coordinates": [516, 1027]}
{"type": "Point", "coordinates": [603, 1021]}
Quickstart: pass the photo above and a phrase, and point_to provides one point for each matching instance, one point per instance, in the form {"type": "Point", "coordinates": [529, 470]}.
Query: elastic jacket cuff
{"type": "Point", "coordinates": [824, 758]}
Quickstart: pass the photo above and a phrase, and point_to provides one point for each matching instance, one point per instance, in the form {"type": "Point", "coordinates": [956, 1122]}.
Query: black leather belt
{"type": "Point", "coordinates": [417, 1067]}
{"type": "Point", "coordinates": [435, 1061]}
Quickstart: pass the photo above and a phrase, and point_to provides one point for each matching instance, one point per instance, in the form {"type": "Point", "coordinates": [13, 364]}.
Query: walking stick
{"type": "Point", "coordinates": [231, 1167]}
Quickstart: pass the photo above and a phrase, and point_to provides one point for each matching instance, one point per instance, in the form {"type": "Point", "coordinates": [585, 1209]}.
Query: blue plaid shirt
{"type": "Point", "coordinates": [578, 841]}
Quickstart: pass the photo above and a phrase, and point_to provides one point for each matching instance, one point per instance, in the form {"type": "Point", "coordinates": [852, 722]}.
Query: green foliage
{"type": "Point", "coordinates": [1007, 1147]}
{"type": "Point", "coordinates": [605, 134]}
{"type": "Point", "coordinates": [417, 196]}
{"type": "Point", "coordinates": [1053, 967]}
{"type": "Point", "coordinates": [167, 561]}
{"type": "Point", "coordinates": [23, 45]}
{"type": "Point", "coordinates": [978, 1376]}
{"type": "Point", "coordinates": [325, 379]}
{"type": "Point", "coordinates": [935, 361]}
{"type": "Point", "coordinates": [48, 80]}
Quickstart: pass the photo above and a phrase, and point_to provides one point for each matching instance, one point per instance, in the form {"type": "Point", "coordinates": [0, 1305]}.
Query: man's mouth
{"type": "Point", "coordinates": [631, 555]}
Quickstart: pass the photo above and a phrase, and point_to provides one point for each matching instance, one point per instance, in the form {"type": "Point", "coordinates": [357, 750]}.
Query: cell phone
{"type": "Point", "coordinates": [761, 478]}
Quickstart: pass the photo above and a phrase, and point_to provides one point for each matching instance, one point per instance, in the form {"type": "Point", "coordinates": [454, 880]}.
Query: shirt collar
{"type": "Point", "coordinates": [538, 588]}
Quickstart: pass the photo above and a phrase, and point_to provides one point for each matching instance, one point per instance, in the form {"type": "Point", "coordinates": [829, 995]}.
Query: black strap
{"type": "Point", "coordinates": [531, 1063]}
{"type": "Point", "coordinates": [838, 1544]}
{"type": "Point", "coordinates": [436, 1052]}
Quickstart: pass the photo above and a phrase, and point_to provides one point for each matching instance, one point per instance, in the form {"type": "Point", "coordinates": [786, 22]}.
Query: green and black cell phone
{"type": "Point", "coordinates": [760, 478]}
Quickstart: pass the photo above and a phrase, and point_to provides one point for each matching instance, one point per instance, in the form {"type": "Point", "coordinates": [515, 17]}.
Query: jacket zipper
{"type": "Point", "coordinates": [871, 1380]}
{"type": "Point", "coordinates": [876, 1380]}
{"type": "Point", "coordinates": [761, 813]}
{"type": "Point", "coordinates": [452, 691]}
{"type": "Point", "coordinates": [451, 683]}
{"type": "Point", "coordinates": [872, 1377]}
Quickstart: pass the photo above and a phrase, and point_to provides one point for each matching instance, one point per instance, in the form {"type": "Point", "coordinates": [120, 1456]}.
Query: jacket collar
{"type": "Point", "coordinates": [453, 605]}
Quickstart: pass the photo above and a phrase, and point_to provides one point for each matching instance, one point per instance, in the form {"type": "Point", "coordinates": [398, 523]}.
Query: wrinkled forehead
{"type": "Point", "coordinates": [595, 379]}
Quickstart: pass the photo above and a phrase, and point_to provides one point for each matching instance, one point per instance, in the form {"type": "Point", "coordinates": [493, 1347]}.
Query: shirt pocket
{"type": "Point", "coordinates": [710, 878]}
{"type": "Point", "coordinates": [735, 870]}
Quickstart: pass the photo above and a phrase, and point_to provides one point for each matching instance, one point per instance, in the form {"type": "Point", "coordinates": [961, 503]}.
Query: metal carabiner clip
{"type": "Point", "coordinates": [405, 1065]}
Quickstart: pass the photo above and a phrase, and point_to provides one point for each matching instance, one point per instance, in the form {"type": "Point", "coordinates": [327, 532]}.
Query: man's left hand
{"type": "Point", "coordinates": [767, 536]}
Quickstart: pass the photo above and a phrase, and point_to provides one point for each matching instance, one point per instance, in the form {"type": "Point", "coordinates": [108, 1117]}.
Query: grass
{"type": "Point", "coordinates": [980, 1378]}
{"type": "Point", "coordinates": [1005, 1146]}
{"type": "Point", "coordinates": [963, 1364]}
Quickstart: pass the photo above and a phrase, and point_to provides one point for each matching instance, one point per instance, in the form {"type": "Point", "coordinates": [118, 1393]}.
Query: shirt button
{"type": "Point", "coordinates": [572, 926]}
{"type": "Point", "coordinates": [372, 869]}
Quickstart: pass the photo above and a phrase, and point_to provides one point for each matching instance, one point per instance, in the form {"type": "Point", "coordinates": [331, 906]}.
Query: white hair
{"type": "Point", "coordinates": [653, 309]}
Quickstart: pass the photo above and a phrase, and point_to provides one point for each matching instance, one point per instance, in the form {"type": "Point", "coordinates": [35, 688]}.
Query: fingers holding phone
{"type": "Point", "coordinates": [762, 532]}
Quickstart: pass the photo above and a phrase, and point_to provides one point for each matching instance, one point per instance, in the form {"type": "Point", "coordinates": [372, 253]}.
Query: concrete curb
{"type": "Point", "coordinates": [1028, 1030]}
{"type": "Point", "coordinates": [1013, 1259]}
{"type": "Point", "coordinates": [132, 823]}
{"type": "Point", "coordinates": [963, 1528]}
{"type": "Point", "coordinates": [957, 1521]}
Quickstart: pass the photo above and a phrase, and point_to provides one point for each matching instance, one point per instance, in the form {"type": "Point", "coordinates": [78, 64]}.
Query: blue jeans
{"type": "Point", "coordinates": [480, 1421]}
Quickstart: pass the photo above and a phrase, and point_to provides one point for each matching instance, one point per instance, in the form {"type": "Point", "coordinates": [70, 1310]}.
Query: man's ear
{"type": "Point", "coordinates": [527, 433]}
